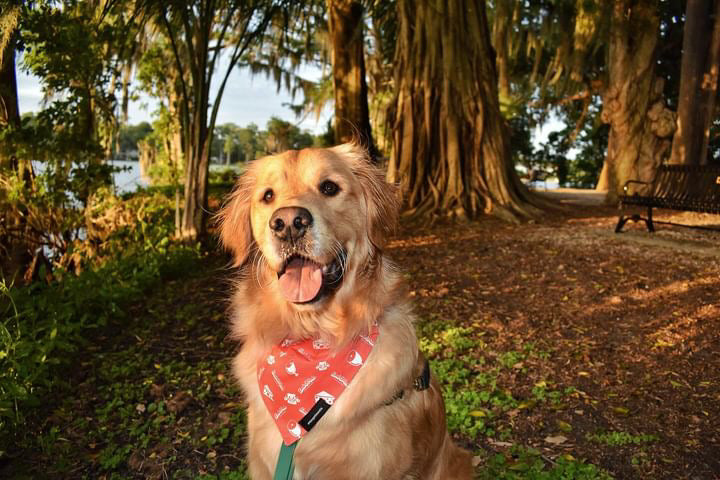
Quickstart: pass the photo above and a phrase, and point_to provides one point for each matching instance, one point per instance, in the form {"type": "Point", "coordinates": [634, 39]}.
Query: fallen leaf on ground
{"type": "Point", "coordinates": [556, 440]}
{"type": "Point", "coordinates": [179, 402]}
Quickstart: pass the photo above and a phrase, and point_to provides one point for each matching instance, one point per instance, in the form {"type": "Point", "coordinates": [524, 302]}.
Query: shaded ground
{"type": "Point", "coordinates": [556, 342]}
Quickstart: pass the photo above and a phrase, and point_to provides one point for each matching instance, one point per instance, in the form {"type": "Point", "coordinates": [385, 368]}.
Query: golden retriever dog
{"type": "Point", "coordinates": [307, 229]}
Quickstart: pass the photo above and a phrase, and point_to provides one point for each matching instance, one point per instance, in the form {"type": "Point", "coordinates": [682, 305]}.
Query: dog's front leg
{"type": "Point", "coordinates": [258, 470]}
{"type": "Point", "coordinates": [263, 443]}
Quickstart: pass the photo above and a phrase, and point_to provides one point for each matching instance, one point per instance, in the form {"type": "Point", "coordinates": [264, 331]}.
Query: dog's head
{"type": "Point", "coordinates": [308, 223]}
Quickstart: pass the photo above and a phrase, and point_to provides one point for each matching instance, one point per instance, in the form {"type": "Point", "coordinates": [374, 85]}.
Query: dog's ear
{"type": "Point", "coordinates": [382, 201]}
{"type": "Point", "coordinates": [234, 220]}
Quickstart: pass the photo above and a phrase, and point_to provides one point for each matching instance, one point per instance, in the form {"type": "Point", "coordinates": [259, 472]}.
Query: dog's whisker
{"type": "Point", "coordinates": [259, 264]}
{"type": "Point", "coordinates": [338, 251]}
{"type": "Point", "coordinates": [257, 259]}
{"type": "Point", "coordinates": [263, 260]}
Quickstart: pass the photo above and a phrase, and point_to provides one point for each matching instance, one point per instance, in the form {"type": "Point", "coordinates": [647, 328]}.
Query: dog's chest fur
{"type": "Point", "coordinates": [359, 428]}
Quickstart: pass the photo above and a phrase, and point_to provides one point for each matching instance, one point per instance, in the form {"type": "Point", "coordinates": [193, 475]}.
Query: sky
{"type": "Point", "coordinates": [246, 99]}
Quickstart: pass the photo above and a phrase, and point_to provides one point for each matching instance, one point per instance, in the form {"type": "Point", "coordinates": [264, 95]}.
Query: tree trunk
{"type": "Point", "coordinates": [9, 111]}
{"type": "Point", "coordinates": [501, 41]}
{"type": "Point", "coordinates": [698, 82]}
{"type": "Point", "coordinates": [640, 125]}
{"type": "Point", "coordinates": [196, 179]}
{"type": "Point", "coordinates": [147, 155]}
{"type": "Point", "coordinates": [197, 154]}
{"type": "Point", "coordinates": [352, 118]}
{"type": "Point", "coordinates": [451, 154]}
{"type": "Point", "coordinates": [16, 252]}
{"type": "Point", "coordinates": [194, 216]}
{"type": "Point", "coordinates": [603, 183]}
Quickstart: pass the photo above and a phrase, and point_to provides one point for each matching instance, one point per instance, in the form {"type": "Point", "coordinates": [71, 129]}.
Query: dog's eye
{"type": "Point", "coordinates": [268, 196]}
{"type": "Point", "coordinates": [329, 188]}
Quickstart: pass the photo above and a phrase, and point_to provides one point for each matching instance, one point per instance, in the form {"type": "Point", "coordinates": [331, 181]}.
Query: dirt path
{"type": "Point", "coordinates": [556, 342]}
{"type": "Point", "coordinates": [615, 337]}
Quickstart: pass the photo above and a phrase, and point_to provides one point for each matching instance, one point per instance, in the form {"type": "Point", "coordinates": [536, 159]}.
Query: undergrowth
{"type": "Point", "coordinates": [528, 464]}
{"type": "Point", "coordinates": [41, 324]}
{"type": "Point", "coordinates": [478, 400]}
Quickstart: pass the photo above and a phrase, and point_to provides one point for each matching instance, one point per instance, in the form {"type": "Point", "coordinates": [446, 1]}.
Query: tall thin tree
{"type": "Point", "coordinates": [199, 33]}
{"type": "Point", "coordinates": [346, 28]}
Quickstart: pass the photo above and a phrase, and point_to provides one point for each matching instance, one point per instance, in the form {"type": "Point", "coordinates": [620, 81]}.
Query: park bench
{"type": "Point", "coordinates": [694, 188]}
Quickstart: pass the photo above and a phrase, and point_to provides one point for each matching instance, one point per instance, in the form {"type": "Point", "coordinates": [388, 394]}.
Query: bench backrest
{"type": "Point", "coordinates": [688, 184]}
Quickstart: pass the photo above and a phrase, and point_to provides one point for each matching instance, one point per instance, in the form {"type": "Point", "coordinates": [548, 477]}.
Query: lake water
{"type": "Point", "coordinates": [126, 180]}
{"type": "Point", "coordinates": [129, 178]}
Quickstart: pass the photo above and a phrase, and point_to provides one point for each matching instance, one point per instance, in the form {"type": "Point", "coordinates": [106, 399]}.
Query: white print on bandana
{"type": "Point", "coordinates": [320, 344]}
{"type": "Point", "coordinates": [277, 380]}
{"type": "Point", "coordinates": [302, 410]}
{"type": "Point", "coordinates": [292, 399]}
{"type": "Point", "coordinates": [288, 342]}
{"type": "Point", "coordinates": [282, 354]}
{"type": "Point", "coordinates": [329, 399]}
{"type": "Point", "coordinates": [261, 371]}
{"type": "Point", "coordinates": [355, 359]}
{"type": "Point", "coordinates": [268, 393]}
{"type": "Point", "coordinates": [290, 369]}
{"type": "Point", "coordinates": [368, 340]}
{"type": "Point", "coordinates": [294, 429]}
{"type": "Point", "coordinates": [279, 413]}
{"type": "Point", "coordinates": [339, 378]}
{"type": "Point", "coordinates": [271, 360]}
{"type": "Point", "coordinates": [306, 384]}
{"type": "Point", "coordinates": [303, 352]}
{"type": "Point", "coordinates": [322, 366]}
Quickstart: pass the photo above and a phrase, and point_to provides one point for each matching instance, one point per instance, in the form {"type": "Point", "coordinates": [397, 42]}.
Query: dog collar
{"type": "Point", "coordinates": [299, 380]}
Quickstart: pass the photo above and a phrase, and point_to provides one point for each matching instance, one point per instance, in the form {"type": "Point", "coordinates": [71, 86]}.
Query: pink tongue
{"type": "Point", "coordinates": [301, 281]}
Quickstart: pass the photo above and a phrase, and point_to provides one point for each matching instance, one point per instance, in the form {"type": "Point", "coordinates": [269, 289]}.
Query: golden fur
{"type": "Point", "coordinates": [360, 437]}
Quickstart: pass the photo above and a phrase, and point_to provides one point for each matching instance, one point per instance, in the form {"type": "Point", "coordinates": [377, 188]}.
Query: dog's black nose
{"type": "Point", "coordinates": [290, 223]}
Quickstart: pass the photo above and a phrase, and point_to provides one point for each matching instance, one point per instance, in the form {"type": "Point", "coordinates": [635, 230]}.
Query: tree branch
{"type": "Point", "coordinates": [188, 30]}
{"type": "Point", "coordinates": [181, 70]}
{"type": "Point", "coordinates": [237, 52]}
{"type": "Point", "coordinates": [218, 46]}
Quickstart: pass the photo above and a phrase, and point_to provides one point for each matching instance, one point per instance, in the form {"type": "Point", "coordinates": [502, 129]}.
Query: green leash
{"type": "Point", "coordinates": [285, 465]}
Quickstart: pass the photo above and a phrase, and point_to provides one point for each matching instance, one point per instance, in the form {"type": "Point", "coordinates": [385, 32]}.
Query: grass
{"type": "Point", "coordinates": [155, 397]}
{"type": "Point", "coordinates": [478, 398]}
{"type": "Point", "coordinates": [620, 439]}
{"type": "Point", "coordinates": [43, 324]}
{"type": "Point", "coordinates": [529, 464]}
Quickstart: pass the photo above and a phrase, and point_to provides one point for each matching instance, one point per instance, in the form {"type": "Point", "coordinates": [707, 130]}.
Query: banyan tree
{"type": "Point", "coordinates": [450, 143]}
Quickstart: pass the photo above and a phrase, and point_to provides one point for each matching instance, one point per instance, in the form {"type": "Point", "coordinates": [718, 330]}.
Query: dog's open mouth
{"type": "Point", "coordinates": [303, 280]}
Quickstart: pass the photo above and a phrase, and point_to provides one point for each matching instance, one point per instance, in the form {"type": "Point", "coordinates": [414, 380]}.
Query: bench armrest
{"type": "Point", "coordinates": [627, 185]}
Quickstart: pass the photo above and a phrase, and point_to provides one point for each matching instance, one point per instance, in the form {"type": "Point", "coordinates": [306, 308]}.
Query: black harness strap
{"type": "Point", "coordinates": [420, 383]}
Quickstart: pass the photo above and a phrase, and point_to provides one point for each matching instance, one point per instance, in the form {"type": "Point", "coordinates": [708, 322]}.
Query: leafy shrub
{"type": "Point", "coordinates": [225, 174]}
{"type": "Point", "coordinates": [528, 464]}
{"type": "Point", "coordinates": [41, 324]}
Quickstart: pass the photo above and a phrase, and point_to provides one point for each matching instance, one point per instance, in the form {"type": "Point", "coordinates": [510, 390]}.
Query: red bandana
{"type": "Point", "coordinates": [295, 375]}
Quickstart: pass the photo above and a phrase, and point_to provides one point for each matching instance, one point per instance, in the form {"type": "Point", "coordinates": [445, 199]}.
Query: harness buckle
{"type": "Point", "coordinates": [419, 383]}
{"type": "Point", "coordinates": [423, 381]}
